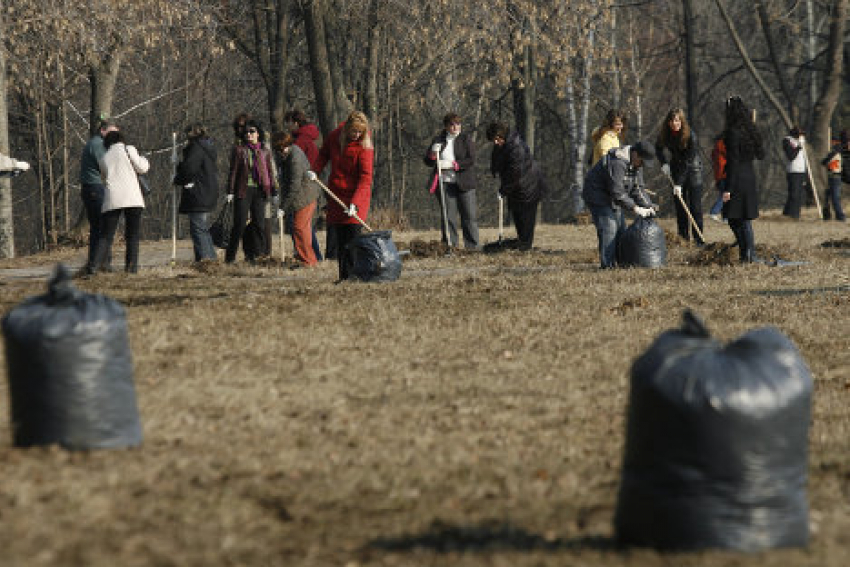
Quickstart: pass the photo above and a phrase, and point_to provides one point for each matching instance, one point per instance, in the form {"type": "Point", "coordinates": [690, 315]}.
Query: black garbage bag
{"type": "Point", "coordinates": [642, 245]}
{"type": "Point", "coordinates": [373, 257]}
{"type": "Point", "coordinates": [716, 443]}
{"type": "Point", "coordinates": [222, 225]}
{"type": "Point", "coordinates": [70, 370]}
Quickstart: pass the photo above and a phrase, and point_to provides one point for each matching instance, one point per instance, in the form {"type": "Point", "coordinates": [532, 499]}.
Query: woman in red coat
{"type": "Point", "coordinates": [350, 153]}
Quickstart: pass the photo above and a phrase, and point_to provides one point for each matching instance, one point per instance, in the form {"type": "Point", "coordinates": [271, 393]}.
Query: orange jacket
{"type": "Point", "coordinates": [718, 160]}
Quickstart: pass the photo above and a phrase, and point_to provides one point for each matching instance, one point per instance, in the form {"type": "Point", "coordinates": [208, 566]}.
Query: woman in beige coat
{"type": "Point", "coordinates": [120, 167]}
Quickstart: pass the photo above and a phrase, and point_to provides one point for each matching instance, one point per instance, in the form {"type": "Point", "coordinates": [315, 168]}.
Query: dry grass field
{"type": "Point", "coordinates": [471, 413]}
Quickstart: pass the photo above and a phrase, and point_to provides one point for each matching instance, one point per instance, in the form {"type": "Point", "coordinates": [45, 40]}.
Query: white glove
{"type": "Point", "coordinates": [352, 210]}
{"type": "Point", "coordinates": [665, 169]}
{"type": "Point", "coordinates": [447, 164]}
{"type": "Point", "coordinates": [677, 191]}
{"type": "Point", "coordinates": [22, 165]}
{"type": "Point", "coordinates": [802, 141]}
{"type": "Point", "coordinates": [229, 197]}
{"type": "Point", "coordinates": [189, 185]}
{"type": "Point", "coordinates": [280, 213]}
{"type": "Point", "coordinates": [643, 211]}
{"type": "Point", "coordinates": [311, 176]}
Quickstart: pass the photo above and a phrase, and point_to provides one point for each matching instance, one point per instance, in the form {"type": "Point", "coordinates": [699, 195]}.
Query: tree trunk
{"type": "Point", "coordinates": [279, 61]}
{"type": "Point", "coordinates": [314, 28]}
{"type": "Point", "coordinates": [336, 52]}
{"type": "Point", "coordinates": [828, 100]}
{"type": "Point", "coordinates": [523, 93]}
{"type": "Point", "coordinates": [7, 232]}
{"type": "Point", "coordinates": [691, 93]}
{"type": "Point", "coordinates": [778, 68]}
{"type": "Point", "coordinates": [370, 101]}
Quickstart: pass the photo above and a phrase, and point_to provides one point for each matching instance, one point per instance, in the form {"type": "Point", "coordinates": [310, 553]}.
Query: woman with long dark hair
{"type": "Point", "coordinates": [743, 144]}
{"type": "Point", "coordinates": [684, 169]}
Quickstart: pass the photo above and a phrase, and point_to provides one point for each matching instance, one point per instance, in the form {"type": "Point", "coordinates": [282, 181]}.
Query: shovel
{"type": "Point", "coordinates": [687, 210]}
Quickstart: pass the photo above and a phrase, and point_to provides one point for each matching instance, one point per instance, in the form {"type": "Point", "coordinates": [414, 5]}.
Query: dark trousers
{"type": "Point", "coordinates": [743, 231]}
{"type": "Point", "coordinates": [331, 242]}
{"type": "Point", "coordinates": [795, 195]}
{"type": "Point", "coordinates": [609, 223]}
{"type": "Point", "coordinates": [92, 196]}
{"type": "Point", "coordinates": [254, 202]}
{"type": "Point", "coordinates": [692, 196]}
{"type": "Point", "coordinates": [132, 235]}
{"type": "Point", "coordinates": [463, 203]}
{"type": "Point", "coordinates": [525, 219]}
{"type": "Point", "coordinates": [833, 196]}
{"type": "Point", "coordinates": [345, 233]}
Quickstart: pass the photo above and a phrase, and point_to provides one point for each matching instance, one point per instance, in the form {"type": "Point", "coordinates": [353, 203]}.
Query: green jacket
{"type": "Point", "coordinates": [89, 168]}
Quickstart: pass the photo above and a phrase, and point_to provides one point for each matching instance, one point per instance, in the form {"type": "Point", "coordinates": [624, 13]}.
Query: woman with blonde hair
{"type": "Point", "coordinates": [351, 155]}
{"type": "Point", "coordinates": [609, 136]}
{"type": "Point", "coordinates": [684, 169]}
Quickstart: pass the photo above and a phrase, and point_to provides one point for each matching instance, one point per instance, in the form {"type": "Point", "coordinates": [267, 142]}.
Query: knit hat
{"type": "Point", "coordinates": [645, 150]}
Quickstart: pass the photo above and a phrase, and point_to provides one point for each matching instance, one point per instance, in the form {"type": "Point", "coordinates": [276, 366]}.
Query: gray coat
{"type": "Point", "coordinates": [613, 183]}
{"type": "Point", "coordinates": [296, 190]}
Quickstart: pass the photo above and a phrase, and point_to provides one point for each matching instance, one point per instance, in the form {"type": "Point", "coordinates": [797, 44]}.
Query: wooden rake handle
{"type": "Point", "coordinates": [341, 204]}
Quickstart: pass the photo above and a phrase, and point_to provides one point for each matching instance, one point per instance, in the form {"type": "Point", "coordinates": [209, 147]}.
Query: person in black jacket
{"type": "Point", "coordinates": [196, 173]}
{"type": "Point", "coordinates": [454, 152]}
{"type": "Point", "coordinates": [614, 184]}
{"type": "Point", "coordinates": [684, 170]}
{"type": "Point", "coordinates": [522, 181]}
{"type": "Point", "coordinates": [740, 197]}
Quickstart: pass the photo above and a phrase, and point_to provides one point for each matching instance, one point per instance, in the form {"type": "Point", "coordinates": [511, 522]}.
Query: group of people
{"type": "Point", "coordinates": [266, 179]}
{"type": "Point", "coordinates": [798, 171]}
{"type": "Point", "coordinates": [279, 177]}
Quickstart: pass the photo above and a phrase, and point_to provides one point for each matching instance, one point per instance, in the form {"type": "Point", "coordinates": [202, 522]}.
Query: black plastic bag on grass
{"type": "Point", "coordinates": [716, 443]}
{"type": "Point", "coordinates": [222, 225]}
{"type": "Point", "coordinates": [373, 257]}
{"type": "Point", "coordinates": [642, 245]}
{"type": "Point", "coordinates": [70, 370]}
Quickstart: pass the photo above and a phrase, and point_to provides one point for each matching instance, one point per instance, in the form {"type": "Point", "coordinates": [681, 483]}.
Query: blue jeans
{"type": "Point", "coordinates": [717, 207]}
{"type": "Point", "coordinates": [833, 196]}
{"type": "Point", "coordinates": [199, 230]}
{"type": "Point", "coordinates": [92, 196]}
{"type": "Point", "coordinates": [610, 223]}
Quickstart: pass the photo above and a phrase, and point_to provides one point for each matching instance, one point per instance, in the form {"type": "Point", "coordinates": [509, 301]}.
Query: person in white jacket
{"type": "Point", "coordinates": [10, 167]}
{"type": "Point", "coordinates": [120, 167]}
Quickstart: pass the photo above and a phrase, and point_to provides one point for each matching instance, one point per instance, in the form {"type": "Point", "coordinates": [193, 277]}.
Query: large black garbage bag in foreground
{"type": "Point", "coordinates": [716, 443]}
{"type": "Point", "coordinates": [70, 370]}
{"type": "Point", "coordinates": [373, 257]}
{"type": "Point", "coordinates": [642, 245]}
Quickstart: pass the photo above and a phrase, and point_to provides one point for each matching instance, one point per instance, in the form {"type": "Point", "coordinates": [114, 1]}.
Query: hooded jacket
{"type": "Point", "coordinates": [612, 183]}
{"type": "Point", "coordinates": [198, 168]}
{"type": "Point", "coordinates": [305, 138]}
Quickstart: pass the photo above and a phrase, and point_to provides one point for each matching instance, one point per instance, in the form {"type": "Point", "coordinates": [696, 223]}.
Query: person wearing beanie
{"type": "Point", "coordinates": [613, 184]}
{"type": "Point", "coordinates": [835, 165]}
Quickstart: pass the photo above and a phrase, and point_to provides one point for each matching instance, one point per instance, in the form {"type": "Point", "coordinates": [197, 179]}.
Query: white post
{"type": "Point", "coordinates": [173, 199]}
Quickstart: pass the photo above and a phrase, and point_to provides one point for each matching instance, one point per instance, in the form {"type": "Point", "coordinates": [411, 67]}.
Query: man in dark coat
{"type": "Point", "coordinates": [454, 152]}
{"type": "Point", "coordinates": [522, 181]}
{"type": "Point", "coordinates": [196, 173]}
{"type": "Point", "coordinates": [613, 185]}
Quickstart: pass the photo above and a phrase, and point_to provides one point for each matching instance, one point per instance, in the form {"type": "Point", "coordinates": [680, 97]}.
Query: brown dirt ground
{"type": "Point", "coordinates": [471, 413]}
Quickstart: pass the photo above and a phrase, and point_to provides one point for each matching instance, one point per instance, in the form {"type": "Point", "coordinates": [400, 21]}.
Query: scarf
{"type": "Point", "coordinates": [259, 168]}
